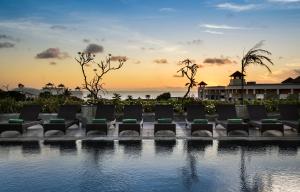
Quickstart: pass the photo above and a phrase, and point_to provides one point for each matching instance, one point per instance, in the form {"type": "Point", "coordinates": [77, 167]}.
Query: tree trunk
{"type": "Point", "coordinates": [188, 91]}
{"type": "Point", "coordinates": [242, 90]}
{"type": "Point", "coordinates": [242, 95]}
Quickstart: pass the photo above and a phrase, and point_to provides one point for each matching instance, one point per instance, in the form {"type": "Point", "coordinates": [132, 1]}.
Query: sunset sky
{"type": "Point", "coordinates": [40, 39]}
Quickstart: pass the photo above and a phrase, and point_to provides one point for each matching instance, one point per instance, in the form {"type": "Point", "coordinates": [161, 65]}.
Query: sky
{"type": "Point", "coordinates": [39, 40]}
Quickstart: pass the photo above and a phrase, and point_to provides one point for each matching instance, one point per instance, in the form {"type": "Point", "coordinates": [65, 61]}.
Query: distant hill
{"type": "Point", "coordinates": [28, 91]}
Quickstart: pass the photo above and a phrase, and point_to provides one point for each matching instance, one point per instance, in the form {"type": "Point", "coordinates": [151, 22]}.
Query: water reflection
{"type": "Point", "coordinates": [189, 173]}
{"type": "Point", "coordinates": [288, 148]}
{"type": "Point", "coordinates": [197, 145]}
{"type": "Point", "coordinates": [257, 181]}
{"type": "Point", "coordinates": [64, 147]}
{"type": "Point", "coordinates": [164, 146]}
{"type": "Point", "coordinates": [27, 148]}
{"type": "Point", "coordinates": [132, 148]}
{"type": "Point", "coordinates": [96, 150]}
{"type": "Point", "coordinates": [165, 165]}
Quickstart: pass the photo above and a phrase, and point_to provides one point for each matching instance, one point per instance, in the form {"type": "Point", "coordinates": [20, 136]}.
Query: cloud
{"type": "Point", "coordinates": [137, 62]}
{"type": "Point", "coordinates": [94, 48]}
{"type": "Point", "coordinates": [177, 76]}
{"type": "Point", "coordinates": [6, 45]}
{"type": "Point", "coordinates": [236, 7]}
{"type": "Point", "coordinates": [148, 48]}
{"type": "Point", "coordinates": [7, 37]}
{"type": "Point", "coordinates": [86, 40]}
{"type": "Point", "coordinates": [280, 75]}
{"type": "Point", "coordinates": [52, 53]}
{"type": "Point", "coordinates": [118, 58]}
{"type": "Point", "coordinates": [227, 27]}
{"type": "Point", "coordinates": [297, 71]}
{"type": "Point", "coordinates": [284, 1]}
{"type": "Point", "coordinates": [167, 9]}
{"type": "Point", "coordinates": [219, 61]}
{"type": "Point", "coordinates": [52, 63]}
{"type": "Point", "coordinates": [58, 27]}
{"type": "Point", "coordinates": [161, 61]}
{"type": "Point", "coordinates": [194, 42]}
{"type": "Point", "coordinates": [213, 32]}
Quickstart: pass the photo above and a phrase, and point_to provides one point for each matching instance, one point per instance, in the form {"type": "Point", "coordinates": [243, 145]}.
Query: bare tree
{"type": "Point", "coordinates": [189, 70]}
{"type": "Point", "coordinates": [95, 84]}
{"type": "Point", "coordinates": [255, 56]}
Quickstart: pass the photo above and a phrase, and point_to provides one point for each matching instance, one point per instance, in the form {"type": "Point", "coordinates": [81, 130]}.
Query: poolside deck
{"type": "Point", "coordinates": [75, 133]}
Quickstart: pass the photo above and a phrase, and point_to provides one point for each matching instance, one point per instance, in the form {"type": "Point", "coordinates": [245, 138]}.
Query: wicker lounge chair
{"type": "Point", "coordinates": [259, 118]}
{"type": "Point", "coordinates": [289, 115]}
{"type": "Point", "coordinates": [164, 119]}
{"type": "Point", "coordinates": [132, 119]}
{"type": "Point", "coordinates": [196, 120]}
{"type": "Point", "coordinates": [66, 117]}
{"type": "Point", "coordinates": [104, 118]}
{"type": "Point", "coordinates": [227, 116]}
{"type": "Point", "coordinates": [28, 117]}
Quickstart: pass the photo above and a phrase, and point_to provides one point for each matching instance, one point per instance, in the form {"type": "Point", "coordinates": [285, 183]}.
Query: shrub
{"type": "Point", "coordinates": [164, 96]}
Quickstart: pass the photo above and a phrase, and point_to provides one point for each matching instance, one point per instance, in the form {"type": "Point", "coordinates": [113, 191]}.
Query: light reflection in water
{"type": "Point", "coordinates": [176, 165]}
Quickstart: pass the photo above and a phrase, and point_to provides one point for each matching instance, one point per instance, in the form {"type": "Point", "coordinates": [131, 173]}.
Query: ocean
{"type": "Point", "coordinates": [142, 94]}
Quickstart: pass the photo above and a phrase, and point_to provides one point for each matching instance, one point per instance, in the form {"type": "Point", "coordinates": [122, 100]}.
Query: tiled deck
{"type": "Point", "coordinates": [35, 133]}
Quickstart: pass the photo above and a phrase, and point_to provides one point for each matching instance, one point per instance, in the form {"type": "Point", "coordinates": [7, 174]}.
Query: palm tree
{"type": "Point", "coordinates": [255, 56]}
{"type": "Point", "coordinates": [116, 97]}
{"type": "Point", "coordinates": [147, 97]}
{"type": "Point", "coordinates": [20, 86]}
{"type": "Point", "coordinates": [129, 97]}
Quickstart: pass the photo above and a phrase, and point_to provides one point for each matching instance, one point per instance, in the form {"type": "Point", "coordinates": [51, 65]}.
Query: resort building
{"type": "Point", "coordinates": [289, 88]}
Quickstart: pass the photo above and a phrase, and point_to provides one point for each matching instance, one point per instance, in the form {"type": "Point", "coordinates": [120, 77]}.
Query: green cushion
{"type": "Point", "coordinates": [129, 121]}
{"type": "Point", "coordinates": [200, 121]}
{"type": "Point", "coordinates": [164, 120]}
{"type": "Point", "coordinates": [16, 121]}
{"type": "Point", "coordinates": [99, 121]}
{"type": "Point", "coordinates": [57, 121]}
{"type": "Point", "coordinates": [235, 121]}
{"type": "Point", "coordinates": [269, 120]}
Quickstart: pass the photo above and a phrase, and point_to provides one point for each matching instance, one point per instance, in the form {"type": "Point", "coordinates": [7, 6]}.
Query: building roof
{"type": "Point", "coordinates": [202, 83]}
{"type": "Point", "coordinates": [237, 74]}
{"type": "Point", "coordinates": [296, 80]}
{"type": "Point", "coordinates": [288, 80]}
{"type": "Point", "coordinates": [291, 80]}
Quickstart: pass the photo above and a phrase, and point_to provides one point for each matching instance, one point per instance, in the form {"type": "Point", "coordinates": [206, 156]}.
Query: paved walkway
{"type": "Point", "coordinates": [77, 133]}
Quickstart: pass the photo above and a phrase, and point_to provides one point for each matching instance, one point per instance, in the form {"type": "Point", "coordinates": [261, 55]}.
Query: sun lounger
{"type": "Point", "coordinates": [164, 119]}
{"type": "Point", "coordinates": [104, 118]}
{"type": "Point", "coordinates": [259, 118]}
{"type": "Point", "coordinates": [227, 117]}
{"type": "Point", "coordinates": [28, 117]}
{"type": "Point", "coordinates": [196, 120]}
{"type": "Point", "coordinates": [66, 117]}
{"type": "Point", "coordinates": [289, 115]}
{"type": "Point", "coordinates": [132, 119]}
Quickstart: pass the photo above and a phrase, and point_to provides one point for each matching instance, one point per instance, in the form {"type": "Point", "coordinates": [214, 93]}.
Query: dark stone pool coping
{"type": "Point", "coordinates": [70, 139]}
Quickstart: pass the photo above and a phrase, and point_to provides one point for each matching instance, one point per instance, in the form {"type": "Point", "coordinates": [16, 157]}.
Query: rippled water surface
{"type": "Point", "coordinates": [150, 166]}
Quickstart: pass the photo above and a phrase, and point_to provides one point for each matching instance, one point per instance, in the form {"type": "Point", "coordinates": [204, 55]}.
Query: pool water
{"type": "Point", "coordinates": [149, 165]}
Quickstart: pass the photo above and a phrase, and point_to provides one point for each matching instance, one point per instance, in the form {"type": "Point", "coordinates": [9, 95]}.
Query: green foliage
{"type": "Point", "coordinates": [49, 104]}
{"type": "Point", "coordinates": [45, 94]}
{"type": "Point", "coordinates": [52, 103]}
{"type": "Point", "coordinates": [164, 96]}
{"type": "Point", "coordinates": [12, 94]}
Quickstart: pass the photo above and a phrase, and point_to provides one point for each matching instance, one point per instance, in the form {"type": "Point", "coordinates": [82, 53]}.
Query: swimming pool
{"type": "Point", "coordinates": [149, 165]}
